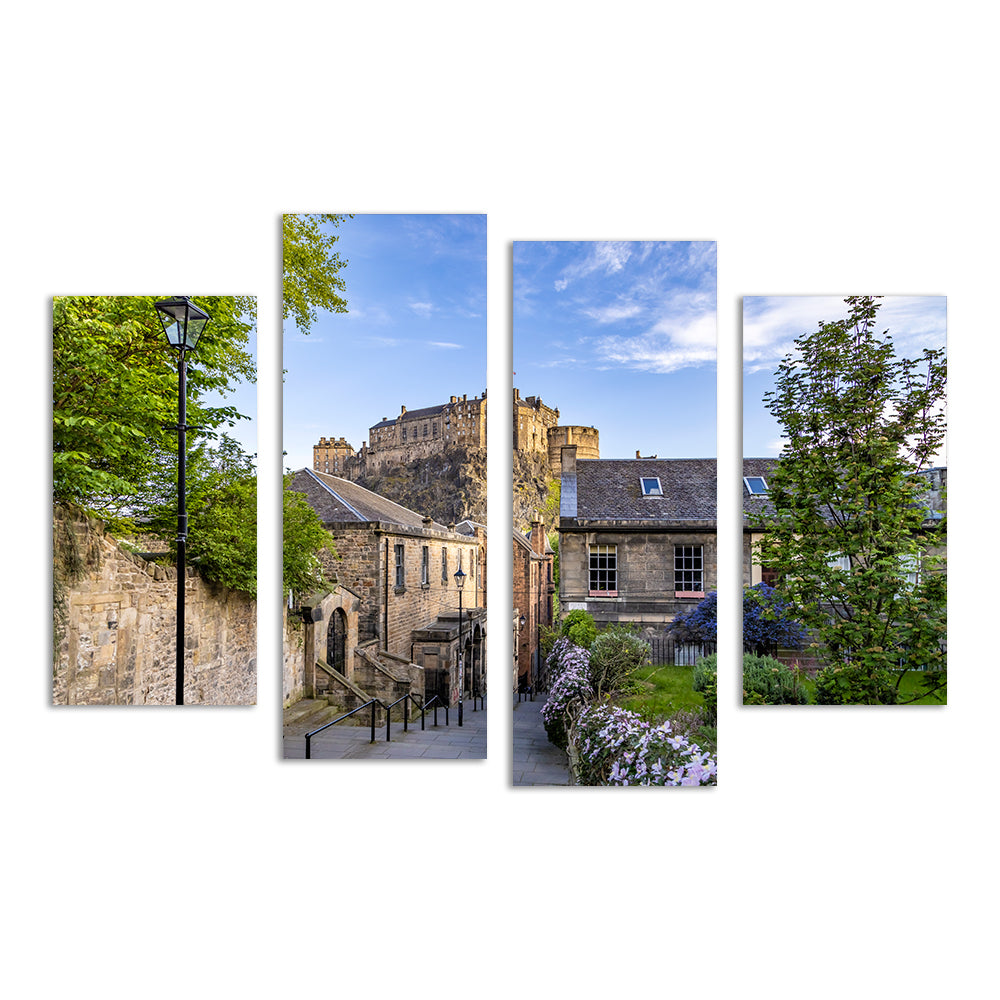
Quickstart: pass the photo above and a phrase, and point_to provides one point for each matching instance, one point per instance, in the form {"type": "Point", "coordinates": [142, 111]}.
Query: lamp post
{"type": "Point", "coordinates": [460, 583]}
{"type": "Point", "coordinates": [183, 323]}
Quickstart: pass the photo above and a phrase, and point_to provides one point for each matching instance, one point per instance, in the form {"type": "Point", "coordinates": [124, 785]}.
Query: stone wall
{"type": "Point", "coordinates": [645, 558]}
{"type": "Point", "coordinates": [115, 640]}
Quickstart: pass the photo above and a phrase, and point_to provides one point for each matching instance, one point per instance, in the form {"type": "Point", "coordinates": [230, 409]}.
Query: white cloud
{"type": "Point", "coordinates": [669, 346]}
{"type": "Point", "coordinates": [609, 257]}
{"type": "Point", "coordinates": [614, 313]}
{"type": "Point", "coordinates": [423, 309]}
{"type": "Point", "coordinates": [444, 344]}
{"type": "Point", "coordinates": [771, 323]}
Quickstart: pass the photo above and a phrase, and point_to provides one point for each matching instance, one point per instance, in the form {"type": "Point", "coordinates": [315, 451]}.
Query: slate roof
{"type": "Point", "coordinates": [608, 489]}
{"type": "Point", "coordinates": [427, 411]}
{"type": "Point", "coordinates": [756, 504]}
{"type": "Point", "coordinates": [338, 500]}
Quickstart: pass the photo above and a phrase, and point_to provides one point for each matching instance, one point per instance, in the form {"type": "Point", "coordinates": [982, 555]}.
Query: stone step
{"type": "Point", "coordinates": [309, 714]}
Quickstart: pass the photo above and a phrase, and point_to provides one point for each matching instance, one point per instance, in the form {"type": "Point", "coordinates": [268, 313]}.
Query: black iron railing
{"type": "Point", "coordinates": [374, 705]}
{"type": "Point", "coordinates": [667, 650]}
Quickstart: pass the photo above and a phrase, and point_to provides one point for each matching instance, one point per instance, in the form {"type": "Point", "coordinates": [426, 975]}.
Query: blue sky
{"type": "Point", "coordinates": [414, 335]}
{"type": "Point", "coordinates": [771, 323]}
{"type": "Point", "coordinates": [621, 335]}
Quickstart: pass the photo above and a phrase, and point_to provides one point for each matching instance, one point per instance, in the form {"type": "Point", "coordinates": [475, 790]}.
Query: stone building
{"type": "Point", "coordinates": [398, 569]}
{"type": "Point", "coordinates": [412, 435]}
{"type": "Point", "coordinates": [533, 591]}
{"type": "Point", "coordinates": [637, 537]}
{"type": "Point", "coordinates": [330, 455]}
{"type": "Point", "coordinates": [537, 430]}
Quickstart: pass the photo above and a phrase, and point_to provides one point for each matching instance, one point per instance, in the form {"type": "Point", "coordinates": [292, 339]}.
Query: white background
{"type": "Point", "coordinates": [828, 149]}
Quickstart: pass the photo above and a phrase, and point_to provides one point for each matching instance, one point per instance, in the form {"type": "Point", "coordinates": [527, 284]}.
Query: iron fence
{"type": "Point", "coordinates": [665, 650]}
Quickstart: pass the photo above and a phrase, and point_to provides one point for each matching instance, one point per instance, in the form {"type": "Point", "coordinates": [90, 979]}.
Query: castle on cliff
{"type": "Point", "coordinates": [459, 423]}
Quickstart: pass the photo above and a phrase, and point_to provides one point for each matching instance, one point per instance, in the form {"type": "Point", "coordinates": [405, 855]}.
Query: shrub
{"type": "Point", "coordinates": [700, 623]}
{"type": "Point", "coordinates": [570, 690]}
{"type": "Point", "coordinates": [579, 628]}
{"type": "Point", "coordinates": [614, 654]}
{"type": "Point", "coordinates": [767, 681]}
{"type": "Point", "coordinates": [768, 621]}
{"type": "Point", "coordinates": [706, 680]}
{"type": "Point", "coordinates": [850, 684]}
{"type": "Point", "coordinates": [617, 748]}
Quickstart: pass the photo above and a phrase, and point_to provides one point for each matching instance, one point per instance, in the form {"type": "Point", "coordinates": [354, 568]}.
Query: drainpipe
{"type": "Point", "coordinates": [385, 627]}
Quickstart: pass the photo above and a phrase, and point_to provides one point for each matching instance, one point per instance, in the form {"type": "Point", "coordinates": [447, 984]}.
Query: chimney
{"type": "Point", "coordinates": [537, 538]}
{"type": "Point", "coordinates": [402, 410]}
{"type": "Point", "coordinates": [567, 497]}
{"type": "Point", "coordinates": [636, 452]}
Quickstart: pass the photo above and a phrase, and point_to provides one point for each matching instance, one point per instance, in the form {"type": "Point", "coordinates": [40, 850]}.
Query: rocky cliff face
{"type": "Point", "coordinates": [449, 487]}
{"type": "Point", "coordinates": [534, 494]}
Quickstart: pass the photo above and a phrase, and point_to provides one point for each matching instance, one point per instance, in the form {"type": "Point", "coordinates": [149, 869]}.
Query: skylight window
{"type": "Point", "coordinates": [651, 487]}
{"type": "Point", "coordinates": [755, 485]}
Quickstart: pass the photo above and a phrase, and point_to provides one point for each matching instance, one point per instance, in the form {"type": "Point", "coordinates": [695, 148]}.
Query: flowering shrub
{"type": "Point", "coordinates": [617, 748]}
{"type": "Point", "coordinates": [569, 690]}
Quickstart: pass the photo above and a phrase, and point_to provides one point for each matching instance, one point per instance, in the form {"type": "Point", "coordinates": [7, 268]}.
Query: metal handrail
{"type": "Point", "coordinates": [340, 718]}
{"type": "Point", "coordinates": [433, 701]}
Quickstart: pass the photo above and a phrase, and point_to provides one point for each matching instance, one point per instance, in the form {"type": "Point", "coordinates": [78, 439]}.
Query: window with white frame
{"type": "Point", "coordinates": [755, 485]}
{"type": "Point", "coordinates": [651, 486]}
{"type": "Point", "coordinates": [425, 566]}
{"type": "Point", "coordinates": [689, 570]}
{"type": "Point", "coordinates": [909, 569]}
{"type": "Point", "coordinates": [837, 560]}
{"type": "Point", "coordinates": [604, 570]}
{"type": "Point", "coordinates": [400, 569]}
{"type": "Point", "coordinates": [444, 565]}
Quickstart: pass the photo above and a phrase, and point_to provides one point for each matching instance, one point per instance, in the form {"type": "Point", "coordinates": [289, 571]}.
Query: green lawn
{"type": "Point", "coordinates": [662, 691]}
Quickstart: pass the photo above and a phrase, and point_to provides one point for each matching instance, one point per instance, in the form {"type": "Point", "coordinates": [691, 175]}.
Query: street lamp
{"type": "Point", "coordinates": [460, 583]}
{"type": "Point", "coordinates": [183, 323]}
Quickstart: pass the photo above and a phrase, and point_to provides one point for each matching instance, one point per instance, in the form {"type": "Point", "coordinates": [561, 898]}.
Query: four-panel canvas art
{"type": "Point", "coordinates": [617, 587]}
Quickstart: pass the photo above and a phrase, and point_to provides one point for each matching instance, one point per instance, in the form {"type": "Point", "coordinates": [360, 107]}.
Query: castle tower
{"type": "Point", "coordinates": [330, 454]}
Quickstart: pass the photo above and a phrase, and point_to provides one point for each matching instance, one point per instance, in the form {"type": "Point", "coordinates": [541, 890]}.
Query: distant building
{"type": "Point", "coordinates": [537, 429]}
{"type": "Point", "coordinates": [413, 434]}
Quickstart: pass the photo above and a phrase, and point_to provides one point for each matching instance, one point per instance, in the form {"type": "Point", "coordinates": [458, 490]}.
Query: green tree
{"type": "Point", "coordinates": [114, 390]}
{"type": "Point", "coordinates": [303, 538]}
{"type": "Point", "coordinates": [311, 268]}
{"type": "Point", "coordinates": [221, 486]}
{"type": "Point", "coordinates": [849, 516]}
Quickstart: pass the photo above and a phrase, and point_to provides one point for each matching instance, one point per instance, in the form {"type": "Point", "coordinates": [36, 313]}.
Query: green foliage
{"type": "Point", "coordinates": [706, 680]}
{"type": "Point", "coordinates": [767, 681]}
{"type": "Point", "coordinates": [859, 423]}
{"type": "Point", "coordinates": [303, 538]}
{"type": "Point", "coordinates": [221, 484]}
{"type": "Point", "coordinates": [579, 628]}
{"type": "Point", "coordinates": [614, 654]}
{"type": "Point", "coordinates": [310, 268]}
{"type": "Point", "coordinates": [855, 684]}
{"type": "Point", "coordinates": [114, 387]}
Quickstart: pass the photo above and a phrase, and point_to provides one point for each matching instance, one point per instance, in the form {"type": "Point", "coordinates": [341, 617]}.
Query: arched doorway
{"type": "Point", "coordinates": [336, 641]}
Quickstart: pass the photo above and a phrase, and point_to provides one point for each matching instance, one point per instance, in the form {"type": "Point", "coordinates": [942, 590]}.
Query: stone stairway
{"type": "Point", "coordinates": [309, 714]}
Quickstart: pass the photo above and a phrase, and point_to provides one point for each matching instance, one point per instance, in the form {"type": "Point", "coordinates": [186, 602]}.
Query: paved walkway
{"type": "Point", "coordinates": [536, 760]}
{"type": "Point", "coordinates": [433, 743]}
